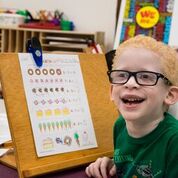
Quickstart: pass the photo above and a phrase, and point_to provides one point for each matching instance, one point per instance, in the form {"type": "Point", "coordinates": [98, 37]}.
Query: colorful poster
{"type": "Point", "coordinates": [57, 104]}
{"type": "Point", "coordinates": [148, 17]}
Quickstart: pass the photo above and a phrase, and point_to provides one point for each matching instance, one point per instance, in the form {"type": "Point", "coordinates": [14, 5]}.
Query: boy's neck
{"type": "Point", "coordinates": [138, 130]}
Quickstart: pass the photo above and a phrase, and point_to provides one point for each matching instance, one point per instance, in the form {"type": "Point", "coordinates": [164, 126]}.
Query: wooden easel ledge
{"type": "Point", "coordinates": [61, 166]}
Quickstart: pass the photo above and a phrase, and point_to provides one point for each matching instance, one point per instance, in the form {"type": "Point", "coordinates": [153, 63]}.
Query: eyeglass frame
{"type": "Point", "coordinates": [134, 74]}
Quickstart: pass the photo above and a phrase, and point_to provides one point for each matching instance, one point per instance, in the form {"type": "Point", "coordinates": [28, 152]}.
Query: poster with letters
{"type": "Point", "coordinates": [157, 19]}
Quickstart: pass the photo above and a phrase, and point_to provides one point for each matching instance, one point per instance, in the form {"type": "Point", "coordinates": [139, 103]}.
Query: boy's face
{"type": "Point", "coordinates": [136, 102]}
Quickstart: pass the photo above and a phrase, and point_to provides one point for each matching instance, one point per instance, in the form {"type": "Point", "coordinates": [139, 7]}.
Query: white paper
{"type": "Point", "coordinates": [4, 125]}
{"type": "Point", "coordinates": [57, 104]}
{"type": "Point", "coordinates": [2, 107]}
{"type": "Point", "coordinates": [3, 151]}
{"type": "Point", "coordinates": [4, 129]}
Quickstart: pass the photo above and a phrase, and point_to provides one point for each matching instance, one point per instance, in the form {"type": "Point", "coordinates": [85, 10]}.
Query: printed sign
{"type": "Point", "coordinates": [147, 17]}
{"type": "Point", "coordinates": [57, 104]}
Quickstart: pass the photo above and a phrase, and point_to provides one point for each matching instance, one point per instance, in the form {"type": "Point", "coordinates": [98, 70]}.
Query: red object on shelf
{"type": "Point", "coordinates": [40, 25]}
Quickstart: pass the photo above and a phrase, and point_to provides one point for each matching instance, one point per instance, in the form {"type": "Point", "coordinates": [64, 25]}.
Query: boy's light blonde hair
{"type": "Point", "coordinates": [168, 55]}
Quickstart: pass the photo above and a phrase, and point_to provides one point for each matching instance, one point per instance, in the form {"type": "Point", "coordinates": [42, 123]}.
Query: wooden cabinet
{"type": "Point", "coordinates": [14, 39]}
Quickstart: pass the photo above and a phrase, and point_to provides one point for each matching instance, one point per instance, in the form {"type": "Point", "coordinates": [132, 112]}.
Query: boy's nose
{"type": "Point", "coordinates": [132, 83]}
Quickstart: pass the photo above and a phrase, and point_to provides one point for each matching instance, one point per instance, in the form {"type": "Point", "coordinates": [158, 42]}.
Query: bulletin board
{"type": "Point", "coordinates": [102, 110]}
{"type": "Point", "coordinates": [159, 21]}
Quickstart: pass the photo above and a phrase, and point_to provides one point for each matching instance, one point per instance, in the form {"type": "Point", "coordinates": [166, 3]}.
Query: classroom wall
{"type": "Point", "coordinates": [87, 15]}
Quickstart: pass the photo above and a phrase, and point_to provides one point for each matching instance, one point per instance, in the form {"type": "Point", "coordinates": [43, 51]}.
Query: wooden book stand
{"type": "Point", "coordinates": [103, 114]}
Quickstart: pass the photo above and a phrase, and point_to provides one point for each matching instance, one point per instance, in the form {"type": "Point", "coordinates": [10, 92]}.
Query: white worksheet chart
{"type": "Point", "coordinates": [57, 104]}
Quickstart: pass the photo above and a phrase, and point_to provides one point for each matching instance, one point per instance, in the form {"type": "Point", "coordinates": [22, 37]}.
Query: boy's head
{"type": "Point", "coordinates": [144, 78]}
{"type": "Point", "coordinates": [167, 55]}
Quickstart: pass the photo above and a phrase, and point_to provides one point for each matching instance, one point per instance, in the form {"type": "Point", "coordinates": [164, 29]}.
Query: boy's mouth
{"type": "Point", "coordinates": [132, 100]}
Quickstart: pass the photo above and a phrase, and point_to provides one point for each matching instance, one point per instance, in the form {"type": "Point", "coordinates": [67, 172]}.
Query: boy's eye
{"type": "Point", "coordinates": [145, 76]}
{"type": "Point", "coordinates": [122, 75]}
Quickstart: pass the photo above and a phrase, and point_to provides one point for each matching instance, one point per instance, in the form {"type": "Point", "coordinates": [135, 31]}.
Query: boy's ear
{"type": "Point", "coordinates": [172, 96]}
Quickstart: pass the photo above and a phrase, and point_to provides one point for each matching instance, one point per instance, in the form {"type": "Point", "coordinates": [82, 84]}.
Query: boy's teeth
{"type": "Point", "coordinates": [134, 100]}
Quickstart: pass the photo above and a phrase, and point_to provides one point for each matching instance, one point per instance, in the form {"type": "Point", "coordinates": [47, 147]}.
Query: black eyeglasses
{"type": "Point", "coordinates": [144, 78]}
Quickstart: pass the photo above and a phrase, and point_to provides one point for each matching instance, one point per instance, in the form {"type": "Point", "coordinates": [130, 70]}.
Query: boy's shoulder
{"type": "Point", "coordinates": [170, 119]}
{"type": "Point", "coordinates": [171, 124]}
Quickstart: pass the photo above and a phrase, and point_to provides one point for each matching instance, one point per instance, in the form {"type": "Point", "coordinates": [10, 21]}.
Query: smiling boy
{"type": "Point", "coordinates": [144, 80]}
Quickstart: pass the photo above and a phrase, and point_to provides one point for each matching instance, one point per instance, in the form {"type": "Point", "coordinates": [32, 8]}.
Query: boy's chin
{"type": "Point", "coordinates": [131, 116]}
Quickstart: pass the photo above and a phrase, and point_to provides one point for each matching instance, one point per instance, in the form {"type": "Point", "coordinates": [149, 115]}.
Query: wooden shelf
{"type": "Point", "coordinates": [14, 39]}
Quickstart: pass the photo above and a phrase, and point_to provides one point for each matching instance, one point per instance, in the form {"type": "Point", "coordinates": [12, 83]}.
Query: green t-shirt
{"type": "Point", "coordinates": [152, 156]}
